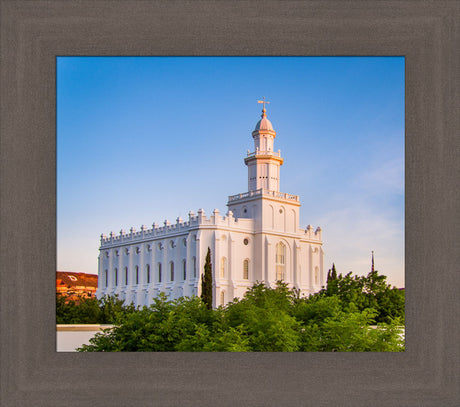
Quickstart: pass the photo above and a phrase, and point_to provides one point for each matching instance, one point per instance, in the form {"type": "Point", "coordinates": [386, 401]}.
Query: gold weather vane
{"type": "Point", "coordinates": [263, 102]}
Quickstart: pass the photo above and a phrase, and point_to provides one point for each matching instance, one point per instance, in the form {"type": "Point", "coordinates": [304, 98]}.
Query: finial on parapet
{"type": "Point", "coordinates": [201, 215]}
{"type": "Point", "coordinates": [318, 232]}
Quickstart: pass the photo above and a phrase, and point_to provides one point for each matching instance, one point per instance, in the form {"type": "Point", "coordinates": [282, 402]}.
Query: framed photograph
{"type": "Point", "coordinates": [35, 36]}
{"type": "Point", "coordinates": [288, 194]}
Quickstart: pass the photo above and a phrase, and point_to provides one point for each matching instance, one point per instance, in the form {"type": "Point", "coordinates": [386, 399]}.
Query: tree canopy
{"type": "Point", "coordinates": [265, 320]}
{"type": "Point", "coordinates": [371, 291]}
{"type": "Point", "coordinates": [89, 310]}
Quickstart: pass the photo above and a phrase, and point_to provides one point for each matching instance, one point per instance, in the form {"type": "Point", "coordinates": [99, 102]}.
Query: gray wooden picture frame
{"type": "Point", "coordinates": [34, 33]}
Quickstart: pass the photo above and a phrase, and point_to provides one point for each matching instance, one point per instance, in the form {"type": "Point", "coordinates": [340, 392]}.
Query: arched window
{"type": "Point", "coordinates": [316, 275]}
{"type": "Point", "coordinates": [126, 275]}
{"type": "Point", "coordinates": [116, 276]}
{"type": "Point", "coordinates": [137, 275]}
{"type": "Point", "coordinates": [148, 274]}
{"type": "Point", "coordinates": [194, 267]}
{"type": "Point", "coordinates": [171, 265]}
{"type": "Point", "coordinates": [223, 266]}
{"type": "Point", "coordinates": [159, 272]}
{"type": "Point", "coordinates": [246, 269]}
{"type": "Point", "coordinates": [280, 261]}
{"type": "Point", "coordinates": [222, 297]}
{"type": "Point", "coordinates": [106, 278]}
{"type": "Point", "coordinates": [184, 269]}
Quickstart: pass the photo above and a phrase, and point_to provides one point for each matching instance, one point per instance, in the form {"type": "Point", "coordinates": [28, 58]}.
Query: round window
{"type": "Point", "coordinates": [281, 211]}
{"type": "Point", "coordinates": [246, 242]}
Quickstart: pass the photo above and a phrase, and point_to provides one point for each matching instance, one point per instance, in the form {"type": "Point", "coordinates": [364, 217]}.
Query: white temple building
{"type": "Point", "coordinates": [258, 239]}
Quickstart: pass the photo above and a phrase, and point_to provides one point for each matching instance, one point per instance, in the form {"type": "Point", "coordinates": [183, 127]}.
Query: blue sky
{"type": "Point", "coordinates": [144, 139]}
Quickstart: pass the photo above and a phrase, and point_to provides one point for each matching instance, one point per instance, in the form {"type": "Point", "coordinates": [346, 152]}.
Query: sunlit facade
{"type": "Point", "coordinates": [258, 239]}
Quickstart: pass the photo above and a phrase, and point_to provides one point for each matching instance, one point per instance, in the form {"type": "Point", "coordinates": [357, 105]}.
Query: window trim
{"type": "Point", "coordinates": [246, 269]}
{"type": "Point", "coordinates": [280, 261]}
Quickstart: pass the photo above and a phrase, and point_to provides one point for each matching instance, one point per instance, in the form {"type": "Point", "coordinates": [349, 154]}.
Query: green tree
{"type": "Point", "coordinates": [371, 291]}
{"type": "Point", "coordinates": [206, 281]}
{"type": "Point", "coordinates": [90, 310]}
{"type": "Point", "coordinates": [265, 320]}
{"type": "Point", "coordinates": [162, 327]}
{"type": "Point", "coordinates": [331, 274]}
{"type": "Point", "coordinates": [81, 310]}
{"type": "Point", "coordinates": [263, 316]}
{"type": "Point", "coordinates": [334, 272]}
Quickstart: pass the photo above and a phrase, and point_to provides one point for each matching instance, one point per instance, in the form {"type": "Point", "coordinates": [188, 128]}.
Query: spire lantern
{"type": "Point", "coordinates": [263, 164]}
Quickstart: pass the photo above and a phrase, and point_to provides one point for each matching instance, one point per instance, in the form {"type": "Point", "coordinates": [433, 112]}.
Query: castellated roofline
{"type": "Point", "coordinates": [195, 221]}
{"type": "Point", "coordinates": [168, 229]}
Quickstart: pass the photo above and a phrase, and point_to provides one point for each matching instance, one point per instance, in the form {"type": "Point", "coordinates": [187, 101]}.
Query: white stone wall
{"type": "Point", "coordinates": [187, 243]}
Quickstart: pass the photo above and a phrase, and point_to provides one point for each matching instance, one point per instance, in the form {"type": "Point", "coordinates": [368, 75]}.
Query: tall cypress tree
{"type": "Point", "coordinates": [206, 281]}
{"type": "Point", "coordinates": [334, 272]}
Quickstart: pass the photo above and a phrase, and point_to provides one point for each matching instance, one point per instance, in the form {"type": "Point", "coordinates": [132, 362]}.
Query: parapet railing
{"type": "Point", "coordinates": [264, 192]}
{"type": "Point", "coordinates": [179, 226]}
{"type": "Point", "coordinates": [260, 152]}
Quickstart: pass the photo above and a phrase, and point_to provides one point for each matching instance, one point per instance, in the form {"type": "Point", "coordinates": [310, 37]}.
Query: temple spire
{"type": "Point", "coordinates": [372, 268]}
